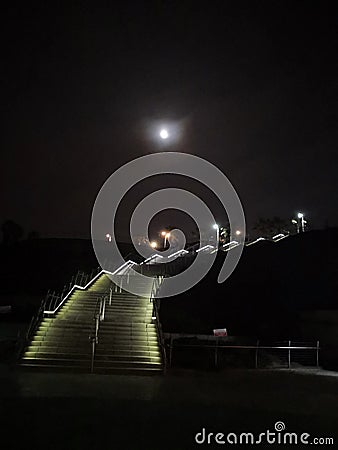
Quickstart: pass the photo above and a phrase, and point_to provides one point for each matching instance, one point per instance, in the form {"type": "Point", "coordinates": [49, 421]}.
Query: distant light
{"type": "Point", "coordinates": [300, 215]}
{"type": "Point", "coordinates": [153, 244]}
{"type": "Point", "coordinates": [215, 226]}
{"type": "Point", "coordinates": [164, 134]}
{"type": "Point", "coordinates": [167, 235]}
{"type": "Point", "coordinates": [163, 233]}
{"type": "Point", "coordinates": [294, 221]}
{"type": "Point", "coordinates": [108, 237]}
{"type": "Point", "coordinates": [238, 232]}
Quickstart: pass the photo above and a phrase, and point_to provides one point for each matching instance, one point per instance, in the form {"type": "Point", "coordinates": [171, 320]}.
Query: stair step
{"type": "Point", "coordinates": [129, 371]}
{"type": "Point", "coordinates": [126, 358]}
{"type": "Point", "coordinates": [128, 347]}
{"type": "Point", "coordinates": [57, 361]}
{"type": "Point", "coordinates": [132, 353]}
{"type": "Point", "coordinates": [121, 363]}
{"type": "Point", "coordinates": [58, 355]}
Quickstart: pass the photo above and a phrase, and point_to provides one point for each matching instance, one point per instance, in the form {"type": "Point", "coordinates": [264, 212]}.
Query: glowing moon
{"type": "Point", "coordinates": [164, 134]}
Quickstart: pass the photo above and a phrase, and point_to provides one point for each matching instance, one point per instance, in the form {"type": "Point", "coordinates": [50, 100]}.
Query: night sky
{"type": "Point", "coordinates": [253, 86]}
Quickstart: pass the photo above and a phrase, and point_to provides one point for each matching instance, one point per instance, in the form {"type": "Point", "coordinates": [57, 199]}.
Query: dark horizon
{"type": "Point", "coordinates": [252, 88]}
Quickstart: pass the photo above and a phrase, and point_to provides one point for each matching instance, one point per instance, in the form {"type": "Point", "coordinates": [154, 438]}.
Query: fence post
{"type": "Point", "coordinates": [289, 355]}
{"type": "Point", "coordinates": [93, 354]}
{"type": "Point", "coordinates": [170, 350]}
{"type": "Point", "coordinates": [110, 295]}
{"type": "Point", "coordinates": [216, 353]}
{"type": "Point", "coordinates": [256, 355]}
{"type": "Point", "coordinates": [317, 354]}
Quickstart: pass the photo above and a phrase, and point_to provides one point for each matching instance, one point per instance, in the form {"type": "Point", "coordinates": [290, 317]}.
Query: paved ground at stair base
{"type": "Point", "coordinates": [73, 411]}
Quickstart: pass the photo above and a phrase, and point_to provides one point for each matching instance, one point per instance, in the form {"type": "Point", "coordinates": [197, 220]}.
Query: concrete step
{"type": "Point", "coordinates": [125, 334]}
{"type": "Point", "coordinates": [128, 326]}
{"type": "Point", "coordinates": [129, 353]}
{"type": "Point", "coordinates": [59, 355]}
{"type": "Point", "coordinates": [53, 331]}
{"type": "Point", "coordinates": [58, 340]}
{"type": "Point", "coordinates": [57, 361]}
{"type": "Point", "coordinates": [106, 348]}
{"type": "Point", "coordinates": [116, 342]}
{"type": "Point", "coordinates": [128, 364]}
{"type": "Point", "coordinates": [63, 322]}
{"type": "Point", "coordinates": [100, 358]}
{"type": "Point", "coordinates": [129, 371]}
{"type": "Point", "coordinates": [45, 344]}
{"type": "Point", "coordinates": [68, 326]}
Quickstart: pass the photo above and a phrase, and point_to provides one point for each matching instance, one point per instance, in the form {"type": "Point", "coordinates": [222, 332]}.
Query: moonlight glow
{"type": "Point", "coordinates": [164, 134]}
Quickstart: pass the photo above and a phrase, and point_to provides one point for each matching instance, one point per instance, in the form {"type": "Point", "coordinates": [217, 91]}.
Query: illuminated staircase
{"type": "Point", "coordinates": [127, 342]}
{"type": "Point", "coordinates": [128, 338]}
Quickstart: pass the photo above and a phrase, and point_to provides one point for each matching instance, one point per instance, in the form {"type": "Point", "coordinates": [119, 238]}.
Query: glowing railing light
{"type": "Point", "coordinates": [278, 235]}
{"type": "Point", "coordinates": [179, 252]}
{"type": "Point", "coordinates": [83, 288]}
{"type": "Point", "coordinates": [255, 242]}
{"type": "Point", "coordinates": [229, 243]}
{"type": "Point", "coordinates": [150, 258]}
{"type": "Point", "coordinates": [204, 248]}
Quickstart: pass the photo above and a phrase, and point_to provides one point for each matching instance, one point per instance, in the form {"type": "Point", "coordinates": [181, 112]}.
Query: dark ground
{"type": "Point", "coordinates": [75, 411]}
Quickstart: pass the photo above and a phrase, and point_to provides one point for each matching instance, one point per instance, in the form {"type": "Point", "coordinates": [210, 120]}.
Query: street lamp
{"type": "Point", "coordinates": [216, 227]}
{"type": "Point", "coordinates": [300, 222]}
{"type": "Point", "coordinates": [165, 236]}
{"type": "Point", "coordinates": [301, 225]}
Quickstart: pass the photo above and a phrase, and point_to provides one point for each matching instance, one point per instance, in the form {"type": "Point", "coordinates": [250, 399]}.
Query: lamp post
{"type": "Point", "coordinates": [165, 236]}
{"type": "Point", "coordinates": [302, 221]}
{"type": "Point", "coordinates": [216, 227]}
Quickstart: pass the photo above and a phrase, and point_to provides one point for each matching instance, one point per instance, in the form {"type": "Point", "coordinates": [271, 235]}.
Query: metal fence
{"type": "Point", "coordinates": [209, 352]}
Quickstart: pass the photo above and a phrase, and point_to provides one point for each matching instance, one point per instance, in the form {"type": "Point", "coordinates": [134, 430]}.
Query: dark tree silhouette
{"type": "Point", "coordinates": [33, 235]}
{"type": "Point", "coordinates": [270, 227]}
{"type": "Point", "coordinates": [11, 232]}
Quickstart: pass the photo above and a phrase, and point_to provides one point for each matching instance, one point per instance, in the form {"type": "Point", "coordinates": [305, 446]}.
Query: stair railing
{"type": "Point", "coordinates": [99, 315]}
{"type": "Point", "coordinates": [155, 315]}
{"type": "Point", "coordinates": [94, 334]}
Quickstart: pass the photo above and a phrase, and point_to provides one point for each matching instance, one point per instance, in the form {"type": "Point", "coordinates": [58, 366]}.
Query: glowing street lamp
{"type": "Point", "coordinates": [165, 236]}
{"type": "Point", "coordinates": [216, 227]}
{"type": "Point", "coordinates": [302, 221]}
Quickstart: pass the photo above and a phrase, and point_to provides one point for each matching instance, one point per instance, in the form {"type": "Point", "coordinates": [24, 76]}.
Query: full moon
{"type": "Point", "coordinates": [164, 134]}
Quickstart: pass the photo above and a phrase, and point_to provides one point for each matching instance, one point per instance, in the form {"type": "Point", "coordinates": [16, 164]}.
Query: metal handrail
{"type": "Point", "coordinates": [256, 347]}
{"type": "Point", "coordinates": [94, 333]}
{"type": "Point", "coordinates": [154, 289]}
{"type": "Point", "coordinates": [79, 279]}
{"type": "Point", "coordinates": [99, 314]}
